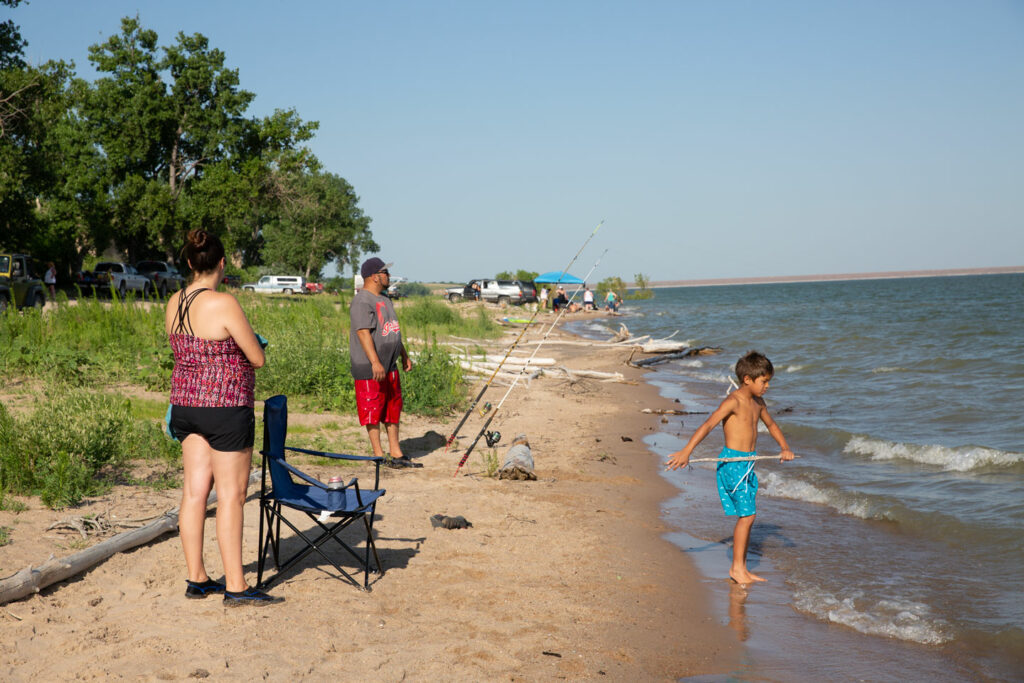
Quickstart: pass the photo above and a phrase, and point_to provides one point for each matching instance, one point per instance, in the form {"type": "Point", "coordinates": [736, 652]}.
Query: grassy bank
{"type": "Point", "coordinates": [77, 440]}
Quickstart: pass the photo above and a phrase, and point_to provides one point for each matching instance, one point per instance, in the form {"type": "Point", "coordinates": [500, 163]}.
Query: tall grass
{"type": "Point", "coordinates": [72, 444]}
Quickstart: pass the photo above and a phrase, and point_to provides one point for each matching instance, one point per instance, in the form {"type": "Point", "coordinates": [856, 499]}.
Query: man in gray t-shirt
{"type": "Point", "coordinates": [375, 347]}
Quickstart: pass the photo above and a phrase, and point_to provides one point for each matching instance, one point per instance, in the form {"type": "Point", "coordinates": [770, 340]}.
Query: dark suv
{"type": "Point", "coordinates": [164, 276]}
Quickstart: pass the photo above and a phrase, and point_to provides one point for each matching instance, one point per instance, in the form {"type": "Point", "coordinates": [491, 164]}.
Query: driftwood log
{"type": "Point", "coordinates": [661, 358]}
{"type": "Point", "coordinates": [33, 579]}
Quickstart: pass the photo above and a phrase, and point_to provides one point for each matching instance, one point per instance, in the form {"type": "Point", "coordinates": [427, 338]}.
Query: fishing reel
{"type": "Point", "coordinates": [492, 438]}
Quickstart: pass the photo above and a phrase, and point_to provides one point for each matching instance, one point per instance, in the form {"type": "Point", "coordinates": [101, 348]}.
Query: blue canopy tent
{"type": "Point", "coordinates": [557, 276]}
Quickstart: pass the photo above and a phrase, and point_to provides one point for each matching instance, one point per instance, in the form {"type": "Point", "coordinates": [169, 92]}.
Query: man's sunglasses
{"type": "Point", "coordinates": [384, 272]}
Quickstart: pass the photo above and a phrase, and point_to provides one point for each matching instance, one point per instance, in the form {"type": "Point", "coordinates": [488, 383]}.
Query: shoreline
{"type": "Point", "coordinates": [569, 576]}
{"type": "Point", "coordinates": [838, 277]}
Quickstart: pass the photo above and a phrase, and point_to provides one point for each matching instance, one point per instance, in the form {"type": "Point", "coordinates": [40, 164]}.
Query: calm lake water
{"type": "Point", "coordinates": [894, 547]}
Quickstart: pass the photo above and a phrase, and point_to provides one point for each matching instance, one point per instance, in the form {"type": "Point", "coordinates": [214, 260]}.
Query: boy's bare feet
{"type": "Point", "coordinates": [743, 577]}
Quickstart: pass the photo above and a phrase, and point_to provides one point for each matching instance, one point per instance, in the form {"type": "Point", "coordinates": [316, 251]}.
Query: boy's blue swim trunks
{"type": "Point", "coordinates": [737, 484]}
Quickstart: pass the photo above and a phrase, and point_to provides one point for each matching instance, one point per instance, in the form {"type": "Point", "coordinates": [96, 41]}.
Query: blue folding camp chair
{"type": "Point", "coordinates": [331, 509]}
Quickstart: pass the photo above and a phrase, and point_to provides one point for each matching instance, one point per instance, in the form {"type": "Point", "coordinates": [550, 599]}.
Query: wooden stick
{"type": "Point", "coordinates": [743, 459]}
{"type": "Point", "coordinates": [33, 579]}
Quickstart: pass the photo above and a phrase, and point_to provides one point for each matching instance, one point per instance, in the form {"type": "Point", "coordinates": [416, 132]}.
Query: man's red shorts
{"type": "Point", "coordinates": [379, 401]}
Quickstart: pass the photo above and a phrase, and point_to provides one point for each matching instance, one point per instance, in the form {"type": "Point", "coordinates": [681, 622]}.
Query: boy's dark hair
{"type": "Point", "coordinates": [202, 251]}
{"type": "Point", "coordinates": [754, 365]}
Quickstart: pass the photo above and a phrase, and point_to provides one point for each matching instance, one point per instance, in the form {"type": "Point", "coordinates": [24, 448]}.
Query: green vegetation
{"type": "Point", "coordinates": [61, 449]}
{"type": "Point", "coordinates": [161, 141]}
{"type": "Point", "coordinates": [521, 275]}
{"type": "Point", "coordinates": [79, 439]}
{"type": "Point", "coordinates": [643, 292]}
{"type": "Point", "coordinates": [615, 284]}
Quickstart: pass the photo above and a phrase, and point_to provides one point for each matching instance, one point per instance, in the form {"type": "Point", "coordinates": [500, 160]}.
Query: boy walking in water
{"type": "Point", "coordinates": [737, 482]}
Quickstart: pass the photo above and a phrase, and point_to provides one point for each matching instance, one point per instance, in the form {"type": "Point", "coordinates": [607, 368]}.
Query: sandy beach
{"type": "Point", "coordinates": [567, 577]}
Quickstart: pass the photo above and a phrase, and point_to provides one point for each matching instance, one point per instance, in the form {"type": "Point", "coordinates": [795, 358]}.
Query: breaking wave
{"type": "Point", "coordinates": [901, 619]}
{"type": "Point", "coordinates": [962, 459]}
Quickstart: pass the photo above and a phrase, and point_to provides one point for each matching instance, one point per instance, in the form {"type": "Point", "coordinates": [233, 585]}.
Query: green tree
{"type": "Point", "coordinates": [11, 42]}
{"type": "Point", "coordinates": [129, 117]}
{"type": "Point", "coordinates": [319, 219]}
{"type": "Point", "coordinates": [611, 284]}
{"type": "Point", "coordinates": [521, 275]}
{"type": "Point", "coordinates": [643, 292]}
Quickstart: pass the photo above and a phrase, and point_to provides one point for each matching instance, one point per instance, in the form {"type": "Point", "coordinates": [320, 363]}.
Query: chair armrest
{"type": "Point", "coordinates": [300, 474]}
{"type": "Point", "coordinates": [340, 456]}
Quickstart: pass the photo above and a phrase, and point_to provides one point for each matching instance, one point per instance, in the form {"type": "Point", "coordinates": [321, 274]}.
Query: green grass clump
{"type": "Point", "coordinates": [60, 451]}
{"type": "Point", "coordinates": [80, 440]}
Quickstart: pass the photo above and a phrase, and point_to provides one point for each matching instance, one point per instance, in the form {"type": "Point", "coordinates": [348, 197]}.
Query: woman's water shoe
{"type": "Point", "coordinates": [200, 589]}
{"type": "Point", "coordinates": [250, 596]}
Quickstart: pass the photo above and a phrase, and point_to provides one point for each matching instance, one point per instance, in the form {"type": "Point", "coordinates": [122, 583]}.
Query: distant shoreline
{"type": "Point", "coordinates": [882, 275]}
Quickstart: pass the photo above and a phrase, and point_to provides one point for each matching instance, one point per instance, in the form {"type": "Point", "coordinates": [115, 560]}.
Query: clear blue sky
{"type": "Point", "coordinates": [715, 138]}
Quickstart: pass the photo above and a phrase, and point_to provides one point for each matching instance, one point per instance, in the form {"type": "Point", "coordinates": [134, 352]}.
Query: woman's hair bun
{"type": "Point", "coordinates": [197, 238]}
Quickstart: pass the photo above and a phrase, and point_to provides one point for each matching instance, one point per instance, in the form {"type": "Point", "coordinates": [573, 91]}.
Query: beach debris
{"type": "Point", "coordinates": [620, 336]}
{"type": "Point", "coordinates": [456, 522]}
{"type": "Point", "coordinates": [551, 654]}
{"type": "Point", "coordinates": [33, 579]}
{"type": "Point", "coordinates": [685, 353]}
{"type": "Point", "coordinates": [626, 438]}
{"type": "Point", "coordinates": [664, 411]}
{"type": "Point", "coordinates": [518, 465]}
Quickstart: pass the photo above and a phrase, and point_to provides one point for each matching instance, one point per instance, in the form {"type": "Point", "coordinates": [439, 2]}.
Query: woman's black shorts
{"type": "Point", "coordinates": [225, 429]}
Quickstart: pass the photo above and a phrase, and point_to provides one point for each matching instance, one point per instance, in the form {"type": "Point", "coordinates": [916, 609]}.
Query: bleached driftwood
{"type": "Point", "coordinates": [506, 376]}
{"type": "Point", "coordinates": [33, 579]}
{"type": "Point", "coordinates": [622, 335]}
{"type": "Point", "coordinates": [515, 361]}
{"type": "Point", "coordinates": [592, 374]}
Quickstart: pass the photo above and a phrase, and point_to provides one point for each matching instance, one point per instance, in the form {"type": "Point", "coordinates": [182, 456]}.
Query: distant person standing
{"type": "Point", "coordinates": [544, 297]}
{"type": "Point", "coordinates": [611, 302]}
{"type": "Point", "coordinates": [588, 299]}
{"type": "Point", "coordinates": [375, 347]}
{"type": "Point", "coordinates": [50, 279]}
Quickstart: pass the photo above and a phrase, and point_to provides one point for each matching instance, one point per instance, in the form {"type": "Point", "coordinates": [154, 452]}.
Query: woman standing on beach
{"type": "Point", "coordinates": [212, 395]}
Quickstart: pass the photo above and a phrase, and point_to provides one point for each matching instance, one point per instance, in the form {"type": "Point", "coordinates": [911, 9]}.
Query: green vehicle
{"type": "Point", "coordinates": [18, 285]}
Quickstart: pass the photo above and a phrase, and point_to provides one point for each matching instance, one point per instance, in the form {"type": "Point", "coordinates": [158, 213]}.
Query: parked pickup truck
{"type": "Point", "coordinates": [496, 291]}
{"type": "Point", "coordinates": [274, 284]}
{"type": "Point", "coordinates": [164, 276]}
{"type": "Point", "coordinates": [121, 277]}
{"type": "Point", "coordinates": [18, 285]}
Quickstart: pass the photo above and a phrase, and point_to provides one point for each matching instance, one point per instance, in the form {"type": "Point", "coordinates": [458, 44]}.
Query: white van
{"type": "Point", "coordinates": [283, 284]}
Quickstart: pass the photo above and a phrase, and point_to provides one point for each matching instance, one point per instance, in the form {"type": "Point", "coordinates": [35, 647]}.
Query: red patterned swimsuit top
{"type": "Point", "coordinates": [208, 373]}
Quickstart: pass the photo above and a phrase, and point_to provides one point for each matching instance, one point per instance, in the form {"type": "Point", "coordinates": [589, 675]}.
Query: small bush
{"type": "Point", "coordinates": [59, 450]}
{"type": "Point", "coordinates": [435, 384]}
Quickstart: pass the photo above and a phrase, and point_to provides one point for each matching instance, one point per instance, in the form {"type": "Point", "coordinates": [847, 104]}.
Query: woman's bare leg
{"type": "Point", "coordinates": [231, 475]}
{"type": "Point", "coordinates": [195, 490]}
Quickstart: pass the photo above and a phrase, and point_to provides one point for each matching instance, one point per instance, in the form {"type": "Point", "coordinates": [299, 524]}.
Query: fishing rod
{"type": "Point", "coordinates": [492, 437]}
{"type": "Point", "coordinates": [494, 374]}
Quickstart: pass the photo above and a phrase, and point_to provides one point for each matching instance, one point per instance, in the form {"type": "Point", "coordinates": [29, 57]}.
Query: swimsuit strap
{"type": "Point", "coordinates": [184, 303]}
